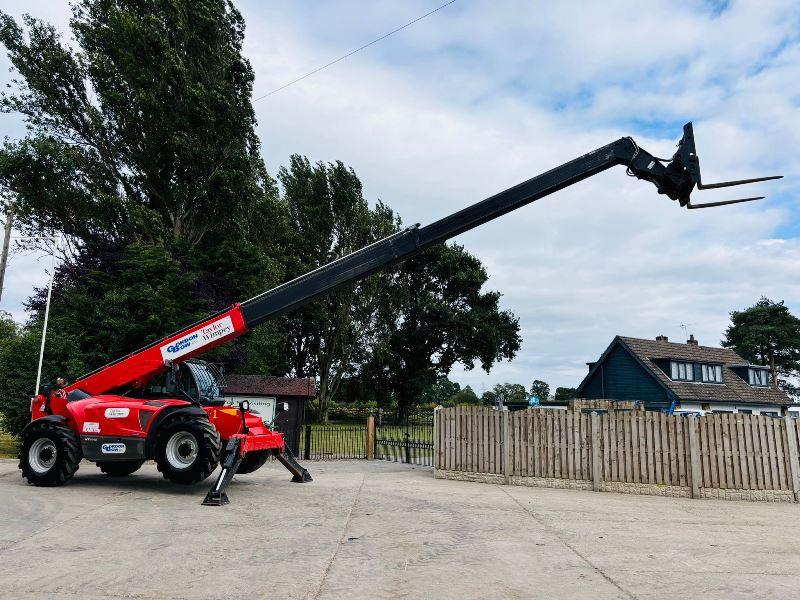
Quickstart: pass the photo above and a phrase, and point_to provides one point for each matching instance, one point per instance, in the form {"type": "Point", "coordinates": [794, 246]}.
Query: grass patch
{"type": "Point", "coordinates": [342, 440]}
{"type": "Point", "coordinates": [8, 446]}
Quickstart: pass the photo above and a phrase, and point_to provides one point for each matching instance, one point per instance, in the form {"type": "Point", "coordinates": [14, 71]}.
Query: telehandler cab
{"type": "Point", "coordinates": [161, 403]}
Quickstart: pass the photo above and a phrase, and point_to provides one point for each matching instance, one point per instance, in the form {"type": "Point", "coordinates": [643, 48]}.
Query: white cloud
{"type": "Point", "coordinates": [482, 96]}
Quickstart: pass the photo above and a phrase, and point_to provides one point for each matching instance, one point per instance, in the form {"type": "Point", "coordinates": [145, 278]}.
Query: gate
{"type": "Point", "coordinates": [408, 440]}
{"type": "Point", "coordinates": [343, 437]}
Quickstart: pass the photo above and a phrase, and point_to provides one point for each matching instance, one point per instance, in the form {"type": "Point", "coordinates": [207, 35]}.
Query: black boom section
{"type": "Point", "coordinates": [407, 243]}
{"type": "Point", "coordinates": [676, 178]}
{"type": "Point", "coordinates": [298, 292]}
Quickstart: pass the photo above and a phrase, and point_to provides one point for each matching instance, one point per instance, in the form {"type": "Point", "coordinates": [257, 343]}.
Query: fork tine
{"type": "Point", "coordinates": [723, 202]}
{"type": "Point", "coordinates": [722, 184]}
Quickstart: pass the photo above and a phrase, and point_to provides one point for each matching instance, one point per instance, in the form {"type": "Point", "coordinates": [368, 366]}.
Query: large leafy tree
{"type": "Point", "coordinates": [329, 218]}
{"type": "Point", "coordinates": [540, 389]}
{"type": "Point", "coordinates": [143, 130]}
{"type": "Point", "coordinates": [768, 333]}
{"type": "Point", "coordinates": [437, 315]}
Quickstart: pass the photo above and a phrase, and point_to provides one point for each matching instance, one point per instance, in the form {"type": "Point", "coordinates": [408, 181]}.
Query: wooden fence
{"type": "Point", "coordinates": [721, 451]}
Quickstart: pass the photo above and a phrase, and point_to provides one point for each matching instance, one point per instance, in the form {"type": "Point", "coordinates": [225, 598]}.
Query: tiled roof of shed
{"type": "Point", "coordinates": [734, 388]}
{"type": "Point", "coordinates": [264, 385]}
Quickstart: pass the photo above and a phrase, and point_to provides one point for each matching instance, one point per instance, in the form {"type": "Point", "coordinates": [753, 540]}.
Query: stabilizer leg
{"type": "Point", "coordinates": [231, 457]}
{"type": "Point", "coordinates": [299, 474]}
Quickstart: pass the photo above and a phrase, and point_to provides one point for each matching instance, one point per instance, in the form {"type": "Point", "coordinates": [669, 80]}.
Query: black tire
{"type": "Point", "coordinates": [120, 468]}
{"type": "Point", "coordinates": [50, 454]}
{"type": "Point", "coordinates": [253, 461]}
{"type": "Point", "coordinates": [187, 449]}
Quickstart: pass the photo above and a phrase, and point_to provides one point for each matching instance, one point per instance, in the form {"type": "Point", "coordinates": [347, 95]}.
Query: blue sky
{"type": "Point", "coordinates": [483, 95]}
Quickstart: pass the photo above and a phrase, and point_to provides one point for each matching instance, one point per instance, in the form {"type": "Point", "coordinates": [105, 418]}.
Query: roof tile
{"type": "Point", "coordinates": [265, 385]}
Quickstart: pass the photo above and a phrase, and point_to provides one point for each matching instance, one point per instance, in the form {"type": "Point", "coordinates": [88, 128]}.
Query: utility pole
{"type": "Point", "coordinates": [6, 242]}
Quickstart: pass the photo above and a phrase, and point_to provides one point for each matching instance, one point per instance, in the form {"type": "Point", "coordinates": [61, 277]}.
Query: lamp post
{"type": "Point", "coordinates": [56, 247]}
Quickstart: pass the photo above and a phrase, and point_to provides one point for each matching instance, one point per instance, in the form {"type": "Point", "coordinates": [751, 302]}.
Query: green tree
{"type": "Point", "coordinates": [768, 333]}
{"type": "Point", "coordinates": [463, 397]}
{"type": "Point", "coordinates": [19, 356]}
{"type": "Point", "coordinates": [564, 394]}
{"type": "Point", "coordinates": [506, 393]}
{"type": "Point", "coordinates": [329, 218]}
{"type": "Point", "coordinates": [435, 315]}
{"type": "Point", "coordinates": [143, 130]}
{"type": "Point", "coordinates": [540, 389]}
{"type": "Point", "coordinates": [440, 392]}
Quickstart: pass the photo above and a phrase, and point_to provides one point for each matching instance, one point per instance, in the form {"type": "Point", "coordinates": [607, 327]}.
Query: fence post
{"type": "Point", "coordinates": [371, 437]}
{"type": "Point", "coordinates": [791, 437]}
{"type": "Point", "coordinates": [436, 448]}
{"type": "Point", "coordinates": [506, 448]}
{"type": "Point", "coordinates": [694, 456]}
{"type": "Point", "coordinates": [596, 470]}
{"type": "Point", "coordinates": [307, 444]}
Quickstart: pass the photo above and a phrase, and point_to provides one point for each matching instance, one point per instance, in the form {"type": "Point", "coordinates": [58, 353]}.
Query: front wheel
{"type": "Point", "coordinates": [187, 450]}
{"type": "Point", "coordinates": [49, 454]}
{"type": "Point", "coordinates": [120, 468]}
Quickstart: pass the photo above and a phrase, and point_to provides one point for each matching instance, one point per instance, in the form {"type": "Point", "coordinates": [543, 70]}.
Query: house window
{"type": "Point", "coordinates": [712, 373]}
{"type": "Point", "coordinates": [759, 377]}
{"type": "Point", "coordinates": [682, 371]}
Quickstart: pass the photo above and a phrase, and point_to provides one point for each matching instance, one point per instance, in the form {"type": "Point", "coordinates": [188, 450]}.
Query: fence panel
{"type": "Point", "coordinates": [725, 451]}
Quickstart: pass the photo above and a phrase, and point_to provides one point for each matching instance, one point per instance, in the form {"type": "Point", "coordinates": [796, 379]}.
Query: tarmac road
{"type": "Point", "coordinates": [383, 530]}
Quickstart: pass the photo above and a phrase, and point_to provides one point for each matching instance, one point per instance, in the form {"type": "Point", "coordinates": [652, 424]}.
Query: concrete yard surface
{"type": "Point", "coordinates": [383, 530]}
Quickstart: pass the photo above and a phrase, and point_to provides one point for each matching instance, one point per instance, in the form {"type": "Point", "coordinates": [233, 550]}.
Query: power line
{"type": "Point", "coordinates": [333, 62]}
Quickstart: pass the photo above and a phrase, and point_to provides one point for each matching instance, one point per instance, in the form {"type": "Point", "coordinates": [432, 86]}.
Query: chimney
{"type": "Point", "coordinates": [691, 341]}
{"type": "Point", "coordinates": [591, 365]}
{"type": "Point", "coordinates": [662, 338]}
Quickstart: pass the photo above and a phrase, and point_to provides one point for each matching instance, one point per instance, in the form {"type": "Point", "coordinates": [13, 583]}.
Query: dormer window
{"type": "Point", "coordinates": [711, 373]}
{"type": "Point", "coordinates": [759, 377]}
{"type": "Point", "coordinates": [681, 371]}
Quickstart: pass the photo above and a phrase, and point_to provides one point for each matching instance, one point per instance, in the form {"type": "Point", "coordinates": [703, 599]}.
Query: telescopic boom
{"type": "Point", "coordinates": [675, 178]}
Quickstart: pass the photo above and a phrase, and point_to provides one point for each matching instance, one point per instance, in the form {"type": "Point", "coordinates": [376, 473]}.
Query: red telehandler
{"type": "Point", "coordinates": [162, 403]}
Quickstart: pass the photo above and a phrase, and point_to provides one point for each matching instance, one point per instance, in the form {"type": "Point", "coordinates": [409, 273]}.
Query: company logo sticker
{"type": "Point", "coordinates": [90, 427]}
{"type": "Point", "coordinates": [198, 338]}
{"type": "Point", "coordinates": [117, 413]}
{"type": "Point", "coordinates": [115, 448]}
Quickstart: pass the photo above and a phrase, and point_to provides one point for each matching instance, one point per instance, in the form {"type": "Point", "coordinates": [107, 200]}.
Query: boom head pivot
{"type": "Point", "coordinates": [678, 178]}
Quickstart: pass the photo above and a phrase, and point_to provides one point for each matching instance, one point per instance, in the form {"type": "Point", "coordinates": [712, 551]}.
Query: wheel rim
{"type": "Point", "coordinates": [181, 450]}
{"type": "Point", "coordinates": [42, 455]}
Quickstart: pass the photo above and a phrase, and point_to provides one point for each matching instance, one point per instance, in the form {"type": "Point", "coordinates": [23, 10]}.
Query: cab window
{"type": "Point", "coordinates": [163, 385]}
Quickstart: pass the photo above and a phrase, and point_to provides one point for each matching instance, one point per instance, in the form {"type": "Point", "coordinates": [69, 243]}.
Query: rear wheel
{"type": "Point", "coordinates": [49, 454]}
{"type": "Point", "coordinates": [120, 468]}
{"type": "Point", "coordinates": [188, 449]}
{"type": "Point", "coordinates": [253, 461]}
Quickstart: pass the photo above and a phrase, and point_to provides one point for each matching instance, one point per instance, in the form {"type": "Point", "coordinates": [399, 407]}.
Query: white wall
{"type": "Point", "coordinates": [696, 407]}
{"type": "Point", "coordinates": [265, 406]}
